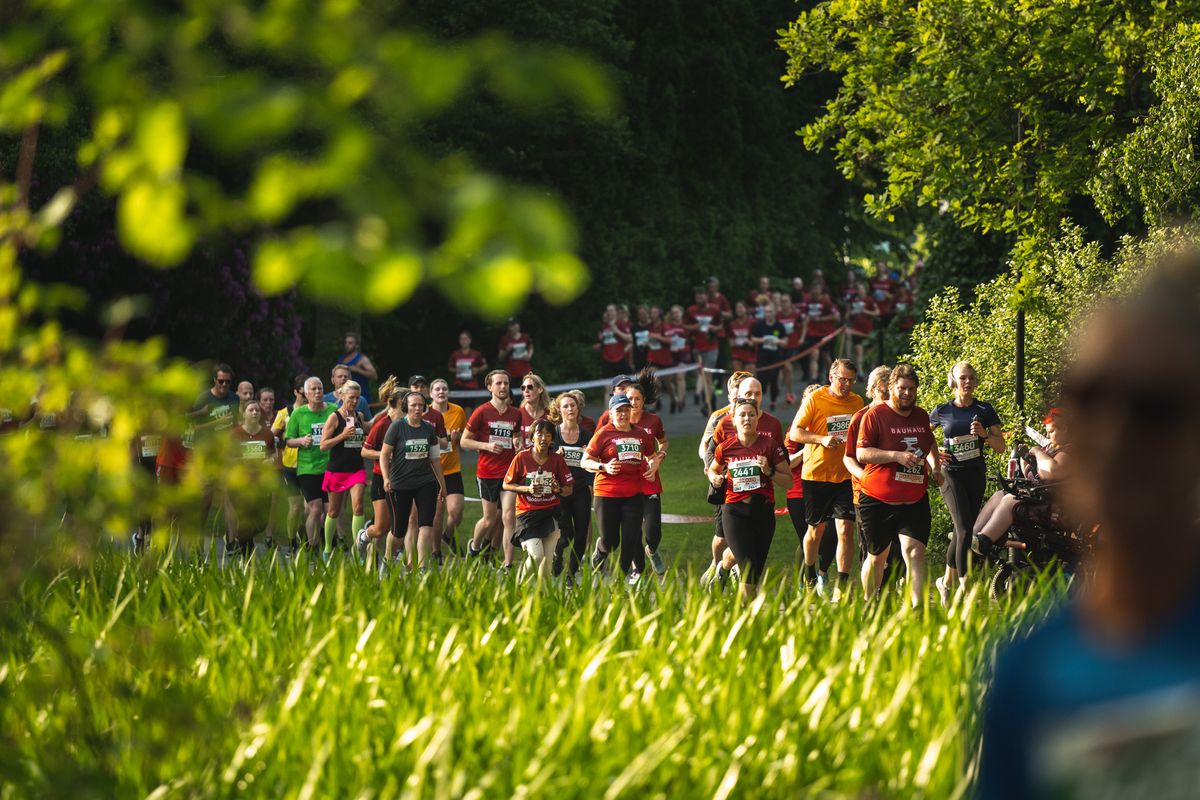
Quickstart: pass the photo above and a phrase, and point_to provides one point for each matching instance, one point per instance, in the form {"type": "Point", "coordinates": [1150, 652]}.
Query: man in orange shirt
{"type": "Point", "coordinates": [821, 424]}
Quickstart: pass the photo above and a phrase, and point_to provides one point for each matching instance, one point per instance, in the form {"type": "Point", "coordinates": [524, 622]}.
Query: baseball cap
{"type": "Point", "coordinates": [619, 379]}
{"type": "Point", "coordinates": [618, 400]}
{"type": "Point", "coordinates": [413, 380]}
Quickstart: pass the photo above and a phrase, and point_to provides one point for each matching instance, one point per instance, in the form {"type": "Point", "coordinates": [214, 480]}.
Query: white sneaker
{"type": "Point", "coordinates": [822, 587]}
{"type": "Point", "coordinates": [943, 591]}
{"type": "Point", "coordinates": [633, 578]}
{"type": "Point", "coordinates": [709, 576]}
{"type": "Point", "coordinates": [361, 543]}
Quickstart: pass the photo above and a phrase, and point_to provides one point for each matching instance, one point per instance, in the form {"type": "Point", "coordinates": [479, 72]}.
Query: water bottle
{"type": "Point", "coordinates": [1014, 465]}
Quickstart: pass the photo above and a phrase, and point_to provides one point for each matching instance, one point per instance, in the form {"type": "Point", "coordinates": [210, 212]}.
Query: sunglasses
{"type": "Point", "coordinates": [1153, 407]}
{"type": "Point", "coordinates": [224, 381]}
{"type": "Point", "coordinates": [528, 388]}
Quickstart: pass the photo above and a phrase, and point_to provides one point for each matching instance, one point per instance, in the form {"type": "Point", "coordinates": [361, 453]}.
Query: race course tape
{"type": "Point", "coordinates": [595, 384]}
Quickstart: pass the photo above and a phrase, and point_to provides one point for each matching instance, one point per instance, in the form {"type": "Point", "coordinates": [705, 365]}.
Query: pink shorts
{"type": "Point", "coordinates": [341, 481]}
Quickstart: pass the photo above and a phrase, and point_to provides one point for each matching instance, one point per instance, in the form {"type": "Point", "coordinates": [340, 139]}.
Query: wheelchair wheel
{"type": "Point", "coordinates": [1002, 582]}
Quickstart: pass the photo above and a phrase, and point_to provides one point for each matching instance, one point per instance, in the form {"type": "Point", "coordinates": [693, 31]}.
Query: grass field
{"type": "Point", "coordinates": [153, 678]}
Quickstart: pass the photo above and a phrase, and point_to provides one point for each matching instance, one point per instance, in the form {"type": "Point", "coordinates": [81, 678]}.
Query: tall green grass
{"type": "Point", "coordinates": [145, 678]}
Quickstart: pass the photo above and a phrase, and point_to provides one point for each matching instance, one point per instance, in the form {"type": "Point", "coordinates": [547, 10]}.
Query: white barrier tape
{"type": "Point", "coordinates": [562, 387]}
{"type": "Point", "coordinates": [670, 519]}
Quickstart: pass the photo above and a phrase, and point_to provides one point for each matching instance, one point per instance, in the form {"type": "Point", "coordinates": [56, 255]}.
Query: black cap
{"type": "Point", "coordinates": [413, 380]}
{"type": "Point", "coordinates": [619, 379]}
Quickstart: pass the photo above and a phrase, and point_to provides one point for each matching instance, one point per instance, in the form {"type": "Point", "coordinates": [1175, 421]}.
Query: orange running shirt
{"type": "Point", "coordinates": [822, 413]}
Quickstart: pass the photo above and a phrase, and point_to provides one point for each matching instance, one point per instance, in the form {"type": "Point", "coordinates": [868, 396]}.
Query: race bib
{"type": "Point", "coordinates": [704, 322]}
{"type": "Point", "coordinates": [857, 308]}
{"type": "Point", "coordinates": [770, 342]}
{"type": "Point", "coordinates": [910, 474]}
{"type": "Point", "coordinates": [964, 448]}
{"type": "Point", "coordinates": [609, 337]}
{"type": "Point", "coordinates": [541, 481]}
{"type": "Point", "coordinates": [746, 474]}
{"type": "Point", "coordinates": [462, 369]}
{"type": "Point", "coordinates": [318, 432]}
{"type": "Point", "coordinates": [254, 450]}
{"type": "Point", "coordinates": [519, 350]}
{"type": "Point", "coordinates": [501, 433]}
{"type": "Point", "coordinates": [880, 294]}
{"type": "Point", "coordinates": [788, 326]}
{"type": "Point", "coordinates": [189, 438]}
{"type": "Point", "coordinates": [150, 445]}
{"type": "Point", "coordinates": [640, 338]}
{"type": "Point", "coordinates": [628, 449]}
{"type": "Point", "coordinates": [838, 425]}
{"type": "Point", "coordinates": [654, 344]}
{"type": "Point", "coordinates": [6, 415]}
{"type": "Point", "coordinates": [48, 421]}
{"type": "Point", "coordinates": [678, 343]}
{"type": "Point", "coordinates": [355, 440]}
{"type": "Point", "coordinates": [572, 455]}
{"type": "Point", "coordinates": [814, 309]}
{"type": "Point", "coordinates": [416, 449]}
{"type": "Point", "coordinates": [902, 306]}
{"type": "Point", "coordinates": [739, 338]}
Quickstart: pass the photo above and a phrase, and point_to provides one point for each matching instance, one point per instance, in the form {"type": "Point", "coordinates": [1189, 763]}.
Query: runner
{"type": "Point", "coordinates": [305, 428]}
{"type": "Point", "coordinates": [623, 457]}
{"type": "Point", "coordinates": [877, 392]}
{"type": "Point", "coordinates": [389, 395]}
{"type": "Point", "coordinates": [534, 403]}
{"type": "Point", "coordinates": [862, 313]}
{"type": "Point", "coordinates": [641, 338]}
{"type": "Point", "coordinates": [538, 477]}
{"type": "Point", "coordinates": [410, 476]}
{"type": "Point", "coordinates": [820, 424]}
{"type": "Point", "coordinates": [287, 465]}
{"type": "Point", "coordinates": [749, 466]}
{"type": "Point", "coordinates": [759, 297]}
{"type": "Point", "coordinates": [251, 504]}
{"type": "Point", "coordinates": [822, 319]}
{"type": "Point", "coordinates": [658, 354]}
{"type": "Point", "coordinates": [742, 352]}
{"type": "Point", "coordinates": [771, 337]}
{"type": "Point", "coordinates": [795, 507]}
{"type": "Point", "coordinates": [675, 335]}
{"type": "Point", "coordinates": [361, 368]}
{"type": "Point", "coordinates": [516, 351]}
{"type": "Point", "coordinates": [145, 454]}
{"type": "Point", "coordinates": [466, 363]}
{"type": "Point", "coordinates": [642, 393]}
{"type": "Point", "coordinates": [722, 559]}
{"type": "Point", "coordinates": [703, 322]}
{"type": "Point", "coordinates": [571, 437]}
{"type": "Point", "coordinates": [713, 290]}
{"type": "Point", "coordinates": [266, 403]}
{"type": "Point", "coordinates": [342, 438]}
{"type": "Point", "coordinates": [245, 393]}
{"type": "Point", "coordinates": [620, 385]}
{"type": "Point", "coordinates": [494, 429]}
{"type": "Point", "coordinates": [896, 448]}
{"type": "Point", "coordinates": [213, 412]}
{"type": "Point", "coordinates": [793, 326]}
{"type": "Point", "coordinates": [455, 419]}
{"type": "Point", "coordinates": [338, 377]}
{"type": "Point", "coordinates": [613, 341]}
{"type": "Point", "coordinates": [968, 426]}
{"type": "Point", "coordinates": [584, 419]}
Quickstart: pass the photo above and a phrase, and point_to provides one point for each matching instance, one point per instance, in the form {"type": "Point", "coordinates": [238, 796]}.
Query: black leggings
{"type": "Point", "coordinates": [620, 520]}
{"type": "Point", "coordinates": [828, 545]}
{"type": "Point", "coordinates": [770, 382]}
{"type": "Point", "coordinates": [652, 522]}
{"type": "Point", "coordinates": [575, 523]}
{"type": "Point", "coordinates": [402, 500]}
{"type": "Point", "coordinates": [749, 528]}
{"type": "Point", "coordinates": [963, 494]}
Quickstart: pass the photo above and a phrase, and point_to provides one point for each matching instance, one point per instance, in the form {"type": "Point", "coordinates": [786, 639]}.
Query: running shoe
{"type": "Point", "coordinates": [556, 565]}
{"type": "Point", "coordinates": [822, 587]}
{"type": "Point", "coordinates": [981, 545]}
{"type": "Point", "coordinates": [472, 552]}
{"type": "Point", "coordinates": [656, 561]}
{"type": "Point", "coordinates": [599, 559]}
{"type": "Point", "coordinates": [139, 544]}
{"type": "Point", "coordinates": [326, 555]}
{"type": "Point", "coordinates": [943, 591]}
{"type": "Point", "coordinates": [789, 398]}
{"type": "Point", "coordinates": [438, 558]}
{"type": "Point", "coordinates": [360, 544]}
{"type": "Point", "coordinates": [633, 578]}
{"type": "Point", "coordinates": [709, 576]}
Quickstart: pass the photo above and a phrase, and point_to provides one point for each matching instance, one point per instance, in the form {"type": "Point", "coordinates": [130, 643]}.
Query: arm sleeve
{"type": "Point", "coordinates": [867, 434]}
{"type": "Point", "coordinates": [989, 417]}
{"type": "Point", "coordinates": [392, 437]}
{"type": "Point", "coordinates": [593, 446]}
{"type": "Point", "coordinates": [513, 467]}
{"type": "Point", "coordinates": [292, 431]}
{"type": "Point", "coordinates": [852, 437]}
{"type": "Point", "coordinates": [804, 415]}
{"type": "Point", "coordinates": [475, 423]}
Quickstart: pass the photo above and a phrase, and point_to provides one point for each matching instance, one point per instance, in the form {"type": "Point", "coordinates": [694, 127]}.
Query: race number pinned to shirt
{"type": "Point", "coordinates": [628, 449]}
{"type": "Point", "coordinates": [355, 440]}
{"type": "Point", "coordinates": [911, 474]}
{"type": "Point", "coordinates": [542, 483]}
{"type": "Point", "coordinates": [678, 343]}
{"type": "Point", "coordinates": [640, 338]}
{"type": "Point", "coordinates": [254, 450]}
{"type": "Point", "coordinates": [572, 455]}
{"type": "Point", "coordinates": [519, 351]}
{"type": "Point", "coordinates": [746, 474]}
{"type": "Point", "coordinates": [771, 342]}
{"type": "Point", "coordinates": [837, 425]}
{"type": "Point", "coordinates": [150, 445]}
{"type": "Point", "coordinates": [501, 432]}
{"type": "Point", "coordinates": [462, 369]}
{"type": "Point", "coordinates": [609, 337]}
{"type": "Point", "coordinates": [964, 448]}
{"type": "Point", "coordinates": [318, 432]}
{"type": "Point", "coordinates": [788, 326]}
{"type": "Point", "coordinates": [416, 449]}
{"type": "Point", "coordinates": [704, 321]}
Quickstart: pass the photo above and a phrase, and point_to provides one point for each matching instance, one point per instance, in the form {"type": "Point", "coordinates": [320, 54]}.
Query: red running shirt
{"type": "Point", "coordinates": [374, 440]}
{"type": "Point", "coordinates": [489, 425]}
{"type": "Point", "coordinates": [652, 424]}
{"type": "Point", "coordinates": [517, 365]}
{"type": "Point", "coordinates": [740, 346]}
{"type": "Point", "coordinates": [797, 490]}
{"type": "Point", "coordinates": [883, 428]}
{"type": "Point", "coordinates": [462, 367]}
{"type": "Point", "coordinates": [631, 448]}
{"type": "Point", "coordinates": [658, 353]}
{"type": "Point", "coordinates": [822, 308]}
{"type": "Point", "coordinates": [709, 318]}
{"type": "Point", "coordinates": [743, 474]}
{"type": "Point", "coordinates": [852, 448]}
{"type": "Point", "coordinates": [612, 347]}
{"type": "Point", "coordinates": [526, 471]}
{"type": "Point", "coordinates": [768, 426]}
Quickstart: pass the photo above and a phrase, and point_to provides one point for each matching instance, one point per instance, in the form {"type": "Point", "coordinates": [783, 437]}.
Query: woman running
{"type": "Point", "coordinates": [641, 337]}
{"type": "Point", "coordinates": [251, 504]}
{"type": "Point", "coordinates": [455, 419]}
{"type": "Point", "coordinates": [287, 464]}
{"type": "Point", "coordinates": [749, 467]}
{"type": "Point", "coordinates": [466, 363]}
{"type": "Point", "coordinates": [571, 437]}
{"type": "Point", "coordinates": [770, 337]}
{"type": "Point", "coordinates": [539, 477]}
{"type": "Point", "coordinates": [410, 476]}
{"type": "Point", "coordinates": [305, 429]}
{"type": "Point", "coordinates": [534, 403]}
{"type": "Point", "coordinates": [676, 336]}
{"type": "Point", "coordinates": [343, 440]}
{"type": "Point", "coordinates": [642, 393]}
{"type": "Point", "coordinates": [793, 326]}
{"type": "Point", "coordinates": [372, 447]}
{"type": "Point", "coordinates": [742, 352]}
{"type": "Point", "coordinates": [968, 427]}
{"type": "Point", "coordinates": [622, 456]}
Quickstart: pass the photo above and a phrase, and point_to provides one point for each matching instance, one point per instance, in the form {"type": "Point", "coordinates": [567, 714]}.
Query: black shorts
{"type": "Point", "coordinates": [883, 522]}
{"type": "Point", "coordinates": [310, 487]}
{"type": "Point", "coordinates": [811, 341]}
{"type": "Point", "coordinates": [824, 500]}
{"type": "Point", "coordinates": [454, 484]}
{"type": "Point", "coordinates": [402, 501]}
{"type": "Point", "coordinates": [489, 489]}
{"type": "Point", "coordinates": [290, 480]}
{"type": "Point", "coordinates": [377, 491]}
